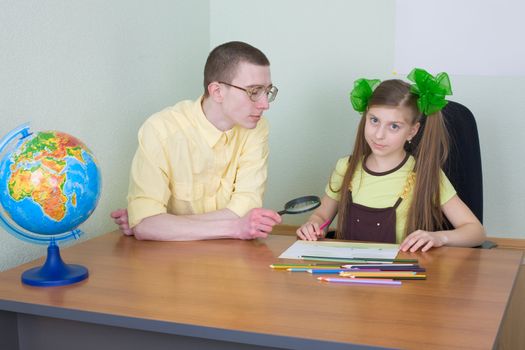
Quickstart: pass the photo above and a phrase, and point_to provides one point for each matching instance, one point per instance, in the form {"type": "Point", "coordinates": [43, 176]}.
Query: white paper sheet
{"type": "Point", "coordinates": [347, 250]}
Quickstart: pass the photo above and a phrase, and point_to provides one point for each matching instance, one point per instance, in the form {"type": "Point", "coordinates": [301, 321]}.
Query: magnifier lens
{"type": "Point", "coordinates": [301, 207]}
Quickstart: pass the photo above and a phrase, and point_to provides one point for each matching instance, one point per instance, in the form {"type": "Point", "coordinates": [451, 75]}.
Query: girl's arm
{"type": "Point", "coordinates": [468, 231]}
{"type": "Point", "coordinates": [325, 212]}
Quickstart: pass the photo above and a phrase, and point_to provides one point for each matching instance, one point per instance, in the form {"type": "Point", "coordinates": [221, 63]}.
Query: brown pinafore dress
{"type": "Point", "coordinates": [374, 224]}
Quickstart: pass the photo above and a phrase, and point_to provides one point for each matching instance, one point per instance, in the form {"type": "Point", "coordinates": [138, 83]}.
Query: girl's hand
{"type": "Point", "coordinates": [309, 231]}
{"type": "Point", "coordinates": [424, 240]}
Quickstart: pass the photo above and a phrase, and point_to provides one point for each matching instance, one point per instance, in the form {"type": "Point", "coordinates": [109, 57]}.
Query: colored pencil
{"type": "Point", "coordinates": [358, 281]}
{"type": "Point", "coordinates": [389, 268]}
{"type": "Point", "coordinates": [308, 269]}
{"type": "Point", "coordinates": [325, 224]}
{"type": "Point", "coordinates": [328, 271]}
{"type": "Point", "coordinates": [361, 265]}
{"type": "Point", "coordinates": [414, 277]}
{"type": "Point", "coordinates": [377, 274]}
{"type": "Point", "coordinates": [290, 266]}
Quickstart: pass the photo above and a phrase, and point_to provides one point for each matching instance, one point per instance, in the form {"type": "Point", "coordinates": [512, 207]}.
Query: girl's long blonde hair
{"type": "Point", "coordinates": [430, 150]}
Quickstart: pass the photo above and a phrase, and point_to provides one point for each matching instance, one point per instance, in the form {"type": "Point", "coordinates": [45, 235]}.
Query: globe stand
{"type": "Point", "coordinates": [25, 218]}
{"type": "Point", "coordinates": [54, 272]}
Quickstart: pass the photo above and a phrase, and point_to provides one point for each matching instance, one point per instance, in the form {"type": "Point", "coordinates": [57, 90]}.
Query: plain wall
{"type": "Point", "coordinates": [96, 69]}
{"type": "Point", "coordinates": [317, 50]}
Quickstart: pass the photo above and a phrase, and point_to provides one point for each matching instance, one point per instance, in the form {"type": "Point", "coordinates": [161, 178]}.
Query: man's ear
{"type": "Point", "coordinates": [215, 91]}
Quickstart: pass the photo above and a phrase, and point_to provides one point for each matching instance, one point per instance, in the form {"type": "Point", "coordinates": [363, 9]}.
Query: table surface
{"type": "Point", "coordinates": [225, 289]}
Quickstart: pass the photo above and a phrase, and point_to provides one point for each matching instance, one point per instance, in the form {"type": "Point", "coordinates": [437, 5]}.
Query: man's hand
{"type": "Point", "coordinates": [258, 223]}
{"type": "Point", "coordinates": [120, 217]}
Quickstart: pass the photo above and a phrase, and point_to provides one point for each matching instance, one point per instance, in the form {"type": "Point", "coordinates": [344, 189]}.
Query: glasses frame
{"type": "Point", "coordinates": [270, 91]}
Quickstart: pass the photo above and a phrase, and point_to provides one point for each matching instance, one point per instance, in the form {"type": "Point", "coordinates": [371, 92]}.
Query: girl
{"type": "Point", "coordinates": [389, 191]}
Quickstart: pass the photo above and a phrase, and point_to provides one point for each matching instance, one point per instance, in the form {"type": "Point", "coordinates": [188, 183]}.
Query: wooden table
{"type": "Point", "coordinates": [221, 294]}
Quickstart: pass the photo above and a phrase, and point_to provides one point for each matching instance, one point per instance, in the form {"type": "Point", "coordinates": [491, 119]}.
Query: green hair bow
{"type": "Point", "coordinates": [431, 90]}
{"type": "Point", "coordinates": [361, 93]}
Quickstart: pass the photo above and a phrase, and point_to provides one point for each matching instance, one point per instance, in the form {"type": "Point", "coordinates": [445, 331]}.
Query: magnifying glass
{"type": "Point", "coordinates": [301, 205]}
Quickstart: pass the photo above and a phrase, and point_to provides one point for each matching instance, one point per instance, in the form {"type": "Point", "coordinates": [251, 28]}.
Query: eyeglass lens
{"type": "Point", "coordinates": [257, 92]}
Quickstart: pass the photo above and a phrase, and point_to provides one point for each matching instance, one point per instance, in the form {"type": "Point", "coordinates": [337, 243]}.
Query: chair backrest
{"type": "Point", "coordinates": [463, 166]}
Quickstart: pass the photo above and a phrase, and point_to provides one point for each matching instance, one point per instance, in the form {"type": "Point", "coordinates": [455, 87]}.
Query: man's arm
{"type": "Point", "coordinates": [218, 224]}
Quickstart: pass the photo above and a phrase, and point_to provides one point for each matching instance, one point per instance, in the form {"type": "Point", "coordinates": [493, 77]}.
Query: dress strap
{"type": "Point", "coordinates": [398, 202]}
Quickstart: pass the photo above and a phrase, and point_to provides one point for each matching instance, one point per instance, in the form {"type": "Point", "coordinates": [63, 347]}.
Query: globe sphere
{"type": "Point", "coordinates": [50, 183]}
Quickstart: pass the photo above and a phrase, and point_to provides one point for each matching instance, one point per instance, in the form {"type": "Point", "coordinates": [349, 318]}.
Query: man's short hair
{"type": "Point", "coordinates": [223, 61]}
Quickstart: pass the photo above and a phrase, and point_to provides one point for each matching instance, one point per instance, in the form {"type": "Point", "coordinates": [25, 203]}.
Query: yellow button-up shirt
{"type": "Point", "coordinates": [185, 165]}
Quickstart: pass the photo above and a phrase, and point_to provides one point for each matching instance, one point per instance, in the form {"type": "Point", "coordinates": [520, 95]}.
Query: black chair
{"type": "Point", "coordinates": [463, 165]}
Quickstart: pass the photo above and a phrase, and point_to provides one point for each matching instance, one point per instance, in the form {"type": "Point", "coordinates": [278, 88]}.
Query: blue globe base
{"type": "Point", "coordinates": [54, 272]}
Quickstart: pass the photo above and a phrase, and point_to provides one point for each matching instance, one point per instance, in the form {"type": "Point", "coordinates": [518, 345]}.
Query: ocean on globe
{"type": "Point", "coordinates": [50, 182]}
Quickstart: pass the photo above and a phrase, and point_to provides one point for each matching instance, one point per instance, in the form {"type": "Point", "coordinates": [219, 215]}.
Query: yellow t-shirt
{"type": "Point", "coordinates": [381, 190]}
{"type": "Point", "coordinates": [184, 165]}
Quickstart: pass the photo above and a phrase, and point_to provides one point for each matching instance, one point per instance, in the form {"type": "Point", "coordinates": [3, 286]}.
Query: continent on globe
{"type": "Point", "coordinates": [37, 172]}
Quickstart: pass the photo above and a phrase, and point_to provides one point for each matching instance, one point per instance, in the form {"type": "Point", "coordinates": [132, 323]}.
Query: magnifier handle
{"type": "Point", "coordinates": [282, 212]}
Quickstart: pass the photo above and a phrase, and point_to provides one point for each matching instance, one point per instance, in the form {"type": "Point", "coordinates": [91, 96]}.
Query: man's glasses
{"type": "Point", "coordinates": [256, 92]}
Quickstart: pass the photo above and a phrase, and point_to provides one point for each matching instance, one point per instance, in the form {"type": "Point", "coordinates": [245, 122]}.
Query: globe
{"type": "Point", "coordinates": [50, 183]}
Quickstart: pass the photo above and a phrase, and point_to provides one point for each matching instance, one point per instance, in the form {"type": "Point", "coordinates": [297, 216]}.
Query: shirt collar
{"type": "Point", "coordinates": [211, 133]}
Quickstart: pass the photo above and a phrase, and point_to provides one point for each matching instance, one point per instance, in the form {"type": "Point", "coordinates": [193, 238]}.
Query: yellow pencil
{"type": "Point", "coordinates": [304, 266]}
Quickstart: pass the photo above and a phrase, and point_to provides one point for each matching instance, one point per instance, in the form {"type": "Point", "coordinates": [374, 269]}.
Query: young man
{"type": "Point", "coordinates": [200, 168]}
